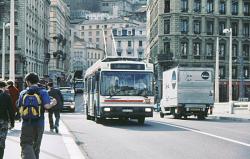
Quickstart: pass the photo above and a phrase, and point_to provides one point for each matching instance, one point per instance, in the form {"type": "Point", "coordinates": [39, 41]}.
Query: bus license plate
{"type": "Point", "coordinates": [127, 110]}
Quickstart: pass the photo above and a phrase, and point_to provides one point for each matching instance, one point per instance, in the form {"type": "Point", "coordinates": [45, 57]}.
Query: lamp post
{"type": "Point", "coordinates": [217, 77]}
{"type": "Point", "coordinates": [12, 41]}
{"type": "Point", "coordinates": [229, 31]}
{"type": "Point", "coordinates": [3, 49]}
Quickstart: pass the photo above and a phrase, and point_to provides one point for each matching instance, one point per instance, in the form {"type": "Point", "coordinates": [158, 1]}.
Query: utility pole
{"type": "Point", "coordinates": [12, 40]}
{"type": "Point", "coordinates": [216, 97]}
{"type": "Point", "coordinates": [3, 52]}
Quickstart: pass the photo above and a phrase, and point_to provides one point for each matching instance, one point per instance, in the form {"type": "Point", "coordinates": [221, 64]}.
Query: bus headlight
{"type": "Point", "coordinates": [148, 109]}
{"type": "Point", "coordinates": [107, 109]}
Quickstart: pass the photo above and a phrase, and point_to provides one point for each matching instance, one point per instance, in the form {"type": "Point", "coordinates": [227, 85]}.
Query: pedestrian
{"type": "Point", "coordinates": [14, 94]}
{"type": "Point", "coordinates": [31, 103]}
{"type": "Point", "coordinates": [6, 116]}
{"type": "Point", "coordinates": [56, 94]}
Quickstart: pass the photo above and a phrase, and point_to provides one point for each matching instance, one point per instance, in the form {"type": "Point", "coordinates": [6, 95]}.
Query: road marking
{"type": "Point", "coordinates": [204, 133]}
{"type": "Point", "coordinates": [73, 149]}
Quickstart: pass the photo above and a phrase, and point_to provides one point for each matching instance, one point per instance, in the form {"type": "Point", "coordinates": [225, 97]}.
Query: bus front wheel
{"type": "Point", "coordinates": [141, 120]}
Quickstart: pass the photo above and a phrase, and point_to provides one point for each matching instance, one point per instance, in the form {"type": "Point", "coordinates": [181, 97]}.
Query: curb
{"type": "Point", "coordinates": [73, 150]}
{"type": "Point", "coordinates": [229, 118]}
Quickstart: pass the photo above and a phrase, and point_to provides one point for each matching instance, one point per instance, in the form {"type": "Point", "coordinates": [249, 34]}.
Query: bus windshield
{"type": "Point", "coordinates": [119, 83]}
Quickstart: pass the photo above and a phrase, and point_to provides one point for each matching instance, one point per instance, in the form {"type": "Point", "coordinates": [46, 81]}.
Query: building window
{"type": "Point", "coordinates": [166, 47]}
{"type": "Point", "coordinates": [209, 49]}
{"type": "Point", "coordinates": [97, 33]}
{"type": "Point", "coordinates": [246, 72]}
{"type": "Point", "coordinates": [234, 28]}
{"type": "Point", "coordinates": [90, 27]}
{"type": "Point", "coordinates": [82, 27]}
{"type": "Point", "coordinates": [184, 48]}
{"type": "Point", "coordinates": [210, 27]}
{"type": "Point", "coordinates": [222, 50]}
{"type": "Point", "coordinates": [245, 50]}
{"type": "Point", "coordinates": [82, 33]}
{"type": "Point", "coordinates": [140, 43]}
{"type": "Point", "coordinates": [234, 7]}
{"type": "Point", "coordinates": [210, 6]}
{"type": "Point", "coordinates": [234, 72]}
{"type": "Point", "coordinates": [197, 6]}
{"type": "Point", "coordinates": [119, 53]}
{"type": "Point", "coordinates": [197, 27]}
{"type": "Point", "coordinates": [184, 26]}
{"type": "Point", "coordinates": [129, 53]}
{"type": "Point", "coordinates": [124, 32]}
{"type": "Point", "coordinates": [222, 7]}
{"type": "Point", "coordinates": [129, 43]}
{"type": "Point", "coordinates": [167, 6]}
{"type": "Point", "coordinates": [222, 72]}
{"type": "Point", "coordinates": [119, 44]}
{"type": "Point", "coordinates": [184, 5]}
{"type": "Point", "coordinates": [222, 26]}
{"type": "Point", "coordinates": [90, 39]}
{"type": "Point", "coordinates": [166, 26]}
{"type": "Point", "coordinates": [105, 26]}
{"type": "Point", "coordinates": [246, 30]}
{"type": "Point", "coordinates": [196, 48]}
{"type": "Point", "coordinates": [97, 39]}
{"type": "Point", "coordinates": [246, 8]}
{"type": "Point", "coordinates": [235, 50]}
{"type": "Point", "coordinates": [97, 26]}
{"type": "Point", "coordinates": [90, 33]}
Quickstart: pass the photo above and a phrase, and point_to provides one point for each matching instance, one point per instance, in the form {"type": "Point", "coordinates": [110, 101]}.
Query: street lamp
{"type": "Point", "coordinates": [12, 41]}
{"type": "Point", "coordinates": [3, 49]}
{"type": "Point", "coordinates": [229, 31]}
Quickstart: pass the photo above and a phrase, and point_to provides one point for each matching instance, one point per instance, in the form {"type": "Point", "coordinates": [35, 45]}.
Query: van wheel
{"type": "Point", "coordinates": [177, 116]}
{"type": "Point", "coordinates": [201, 117]}
{"type": "Point", "coordinates": [161, 115]}
{"type": "Point", "coordinates": [141, 120]}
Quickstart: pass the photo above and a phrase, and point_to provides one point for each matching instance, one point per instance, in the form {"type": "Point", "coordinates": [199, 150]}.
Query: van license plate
{"type": "Point", "coordinates": [127, 110]}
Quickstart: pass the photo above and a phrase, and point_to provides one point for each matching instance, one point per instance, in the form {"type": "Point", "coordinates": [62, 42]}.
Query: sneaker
{"type": "Point", "coordinates": [56, 129]}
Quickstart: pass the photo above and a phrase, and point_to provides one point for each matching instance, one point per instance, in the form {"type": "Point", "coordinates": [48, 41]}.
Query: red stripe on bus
{"type": "Point", "coordinates": [135, 101]}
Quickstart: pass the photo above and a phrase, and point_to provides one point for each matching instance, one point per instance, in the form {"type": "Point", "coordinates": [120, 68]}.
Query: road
{"type": "Point", "coordinates": [159, 138]}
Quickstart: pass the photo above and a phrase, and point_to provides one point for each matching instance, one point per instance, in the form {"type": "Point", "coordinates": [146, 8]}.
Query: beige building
{"type": "Point", "coordinates": [99, 32]}
{"type": "Point", "coordinates": [184, 32]}
{"type": "Point", "coordinates": [59, 64]}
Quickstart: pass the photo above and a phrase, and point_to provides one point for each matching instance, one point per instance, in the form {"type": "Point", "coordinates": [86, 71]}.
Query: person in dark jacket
{"type": "Point", "coordinates": [14, 94]}
{"type": "Point", "coordinates": [55, 93]}
{"type": "Point", "coordinates": [6, 116]}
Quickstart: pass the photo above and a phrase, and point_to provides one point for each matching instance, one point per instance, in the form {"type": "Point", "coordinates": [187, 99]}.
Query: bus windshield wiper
{"type": "Point", "coordinates": [143, 93]}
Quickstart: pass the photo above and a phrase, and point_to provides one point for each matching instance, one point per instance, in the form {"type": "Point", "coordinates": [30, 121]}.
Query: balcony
{"type": "Point", "coordinates": [165, 58]}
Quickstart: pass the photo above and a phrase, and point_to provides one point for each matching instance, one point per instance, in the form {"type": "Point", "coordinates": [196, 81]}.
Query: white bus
{"type": "Point", "coordinates": [119, 88]}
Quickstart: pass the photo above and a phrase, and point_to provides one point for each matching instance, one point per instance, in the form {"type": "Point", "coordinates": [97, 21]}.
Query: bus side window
{"type": "Point", "coordinates": [89, 85]}
{"type": "Point", "coordinates": [93, 85]}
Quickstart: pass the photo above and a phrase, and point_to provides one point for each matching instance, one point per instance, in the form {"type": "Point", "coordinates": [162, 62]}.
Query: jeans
{"type": "Point", "coordinates": [31, 138]}
{"type": "Point", "coordinates": [57, 116]}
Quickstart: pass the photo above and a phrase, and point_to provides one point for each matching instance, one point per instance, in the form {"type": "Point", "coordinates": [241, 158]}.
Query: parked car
{"type": "Point", "coordinates": [69, 100]}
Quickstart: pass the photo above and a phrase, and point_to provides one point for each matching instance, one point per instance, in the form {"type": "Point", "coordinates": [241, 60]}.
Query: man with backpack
{"type": "Point", "coordinates": [32, 103]}
{"type": "Point", "coordinates": [6, 116]}
{"type": "Point", "coordinates": [57, 95]}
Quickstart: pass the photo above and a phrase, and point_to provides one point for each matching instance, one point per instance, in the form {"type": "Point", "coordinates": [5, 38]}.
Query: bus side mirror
{"type": "Point", "coordinates": [97, 76]}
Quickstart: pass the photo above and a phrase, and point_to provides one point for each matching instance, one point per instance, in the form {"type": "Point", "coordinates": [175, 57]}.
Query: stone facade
{"type": "Point", "coordinates": [184, 32]}
{"type": "Point", "coordinates": [31, 40]}
{"type": "Point", "coordinates": [59, 64]}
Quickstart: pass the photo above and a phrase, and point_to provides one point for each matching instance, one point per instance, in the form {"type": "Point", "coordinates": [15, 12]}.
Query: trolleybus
{"type": "Point", "coordinates": [119, 88]}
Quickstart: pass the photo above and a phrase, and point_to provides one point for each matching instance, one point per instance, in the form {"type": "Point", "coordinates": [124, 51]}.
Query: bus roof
{"type": "Point", "coordinates": [106, 64]}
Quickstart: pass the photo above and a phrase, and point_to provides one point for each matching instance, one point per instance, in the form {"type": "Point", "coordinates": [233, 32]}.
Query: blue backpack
{"type": "Point", "coordinates": [31, 106]}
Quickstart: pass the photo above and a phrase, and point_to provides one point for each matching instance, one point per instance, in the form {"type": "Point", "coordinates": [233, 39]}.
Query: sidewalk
{"type": "Point", "coordinates": [54, 146]}
{"type": "Point", "coordinates": [233, 117]}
